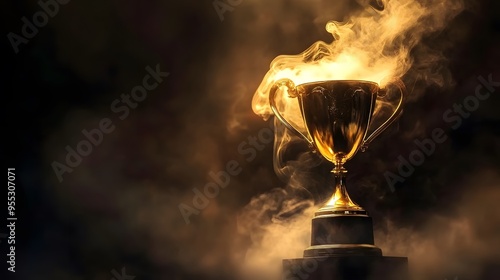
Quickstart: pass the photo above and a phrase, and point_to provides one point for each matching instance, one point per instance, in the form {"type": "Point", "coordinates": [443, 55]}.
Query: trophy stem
{"type": "Point", "coordinates": [341, 227]}
{"type": "Point", "coordinates": [340, 202]}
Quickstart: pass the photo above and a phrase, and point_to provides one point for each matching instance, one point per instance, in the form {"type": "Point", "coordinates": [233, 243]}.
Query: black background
{"type": "Point", "coordinates": [119, 207]}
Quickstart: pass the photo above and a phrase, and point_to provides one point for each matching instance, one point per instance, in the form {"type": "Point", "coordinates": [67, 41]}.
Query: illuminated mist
{"type": "Point", "coordinates": [120, 206]}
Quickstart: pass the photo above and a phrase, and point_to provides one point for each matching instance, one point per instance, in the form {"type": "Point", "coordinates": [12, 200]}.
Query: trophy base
{"type": "Point", "coordinates": [342, 235]}
{"type": "Point", "coordinates": [342, 248]}
{"type": "Point", "coordinates": [346, 268]}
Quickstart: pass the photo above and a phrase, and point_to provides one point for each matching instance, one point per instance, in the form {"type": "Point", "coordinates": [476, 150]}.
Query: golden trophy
{"type": "Point", "coordinates": [337, 115]}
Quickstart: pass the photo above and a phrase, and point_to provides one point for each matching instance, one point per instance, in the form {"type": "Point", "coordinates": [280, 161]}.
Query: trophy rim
{"type": "Point", "coordinates": [324, 81]}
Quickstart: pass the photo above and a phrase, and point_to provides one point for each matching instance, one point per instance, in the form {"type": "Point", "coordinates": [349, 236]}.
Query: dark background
{"type": "Point", "coordinates": [119, 207]}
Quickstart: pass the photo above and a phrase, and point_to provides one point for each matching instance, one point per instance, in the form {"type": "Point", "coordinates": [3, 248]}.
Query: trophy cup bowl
{"type": "Point", "coordinates": [337, 115]}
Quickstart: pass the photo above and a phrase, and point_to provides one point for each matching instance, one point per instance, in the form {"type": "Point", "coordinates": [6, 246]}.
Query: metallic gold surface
{"type": "Point", "coordinates": [337, 115]}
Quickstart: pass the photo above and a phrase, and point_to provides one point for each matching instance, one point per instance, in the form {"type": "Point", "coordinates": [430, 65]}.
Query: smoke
{"type": "Point", "coordinates": [119, 207]}
{"type": "Point", "coordinates": [275, 222]}
{"type": "Point", "coordinates": [455, 241]}
{"type": "Point", "coordinates": [459, 239]}
{"type": "Point", "coordinates": [372, 45]}
{"type": "Point", "coordinates": [380, 46]}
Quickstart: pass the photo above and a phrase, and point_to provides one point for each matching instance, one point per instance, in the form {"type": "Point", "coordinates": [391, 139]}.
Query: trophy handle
{"type": "Point", "coordinates": [392, 118]}
{"type": "Point", "coordinates": [292, 90]}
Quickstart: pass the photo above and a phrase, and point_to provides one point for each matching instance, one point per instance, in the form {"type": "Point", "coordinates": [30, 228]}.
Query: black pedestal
{"type": "Point", "coordinates": [341, 235]}
{"type": "Point", "coordinates": [346, 268]}
{"type": "Point", "coordinates": [342, 248]}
